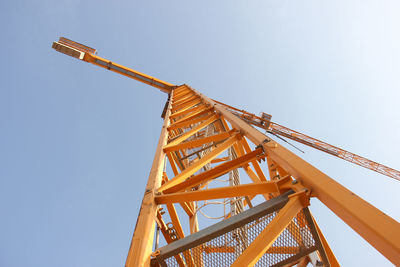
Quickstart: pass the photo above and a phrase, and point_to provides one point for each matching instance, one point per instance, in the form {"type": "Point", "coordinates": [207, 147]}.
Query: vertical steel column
{"type": "Point", "coordinates": [142, 240]}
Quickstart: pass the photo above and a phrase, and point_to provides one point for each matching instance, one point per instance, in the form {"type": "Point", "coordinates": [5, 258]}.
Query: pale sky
{"type": "Point", "coordinates": [77, 142]}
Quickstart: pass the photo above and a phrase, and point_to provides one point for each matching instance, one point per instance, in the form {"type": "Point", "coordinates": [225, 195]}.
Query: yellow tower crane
{"type": "Point", "coordinates": [203, 140]}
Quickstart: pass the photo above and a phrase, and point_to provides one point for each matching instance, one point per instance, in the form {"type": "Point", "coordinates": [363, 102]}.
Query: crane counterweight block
{"type": "Point", "coordinates": [72, 48]}
{"type": "Point", "coordinates": [68, 50]}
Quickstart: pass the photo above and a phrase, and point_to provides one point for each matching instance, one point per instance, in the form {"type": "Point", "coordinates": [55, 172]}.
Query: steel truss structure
{"type": "Point", "coordinates": [203, 140]}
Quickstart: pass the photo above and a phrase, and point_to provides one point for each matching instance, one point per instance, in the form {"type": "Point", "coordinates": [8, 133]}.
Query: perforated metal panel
{"type": "Point", "coordinates": [222, 247]}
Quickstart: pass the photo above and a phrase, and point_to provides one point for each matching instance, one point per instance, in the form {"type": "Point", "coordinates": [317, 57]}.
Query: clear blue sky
{"type": "Point", "coordinates": [77, 142]}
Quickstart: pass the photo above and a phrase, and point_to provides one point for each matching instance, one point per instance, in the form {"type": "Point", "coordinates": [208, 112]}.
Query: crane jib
{"type": "Point", "coordinates": [88, 54]}
{"type": "Point", "coordinates": [110, 66]}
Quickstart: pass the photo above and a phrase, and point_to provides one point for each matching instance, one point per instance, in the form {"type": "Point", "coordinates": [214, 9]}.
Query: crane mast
{"type": "Point", "coordinates": [202, 140]}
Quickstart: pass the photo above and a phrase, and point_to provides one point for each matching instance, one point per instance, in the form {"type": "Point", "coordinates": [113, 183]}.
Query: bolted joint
{"type": "Point", "coordinates": [261, 145]}
{"type": "Point", "coordinates": [262, 148]}
{"type": "Point", "coordinates": [303, 197]}
{"type": "Point", "coordinates": [266, 140]}
{"type": "Point", "coordinates": [155, 253]}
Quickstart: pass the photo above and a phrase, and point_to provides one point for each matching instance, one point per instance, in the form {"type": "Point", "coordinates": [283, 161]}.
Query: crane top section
{"type": "Point", "coordinates": [196, 133]}
{"type": "Point", "coordinates": [88, 54]}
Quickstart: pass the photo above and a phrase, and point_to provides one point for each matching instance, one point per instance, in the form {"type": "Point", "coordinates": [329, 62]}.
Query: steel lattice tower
{"type": "Point", "coordinates": [203, 140]}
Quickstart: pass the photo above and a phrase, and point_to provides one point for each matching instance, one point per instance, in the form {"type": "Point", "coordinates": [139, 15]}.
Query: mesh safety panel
{"type": "Point", "coordinates": [296, 241]}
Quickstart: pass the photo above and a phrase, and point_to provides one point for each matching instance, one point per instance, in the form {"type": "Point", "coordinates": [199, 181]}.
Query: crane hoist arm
{"type": "Point", "coordinates": [265, 122]}
{"type": "Point", "coordinates": [88, 54]}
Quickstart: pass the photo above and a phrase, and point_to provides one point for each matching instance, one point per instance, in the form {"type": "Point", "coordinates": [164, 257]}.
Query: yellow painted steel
{"type": "Point", "coordinates": [255, 164]}
{"type": "Point", "coordinates": [192, 131]}
{"type": "Point", "coordinates": [329, 253]}
{"type": "Point", "coordinates": [313, 142]}
{"type": "Point", "coordinates": [89, 56]}
{"type": "Point", "coordinates": [168, 238]}
{"type": "Point", "coordinates": [217, 193]}
{"type": "Point", "coordinates": [266, 238]}
{"type": "Point", "coordinates": [189, 113]}
{"type": "Point", "coordinates": [199, 142]}
{"type": "Point", "coordinates": [187, 123]}
{"type": "Point", "coordinates": [212, 173]}
{"type": "Point", "coordinates": [142, 240]}
{"type": "Point", "coordinates": [194, 168]}
{"type": "Point", "coordinates": [197, 111]}
{"type": "Point", "coordinates": [177, 225]}
{"type": "Point", "coordinates": [380, 230]}
{"type": "Point", "coordinates": [189, 102]}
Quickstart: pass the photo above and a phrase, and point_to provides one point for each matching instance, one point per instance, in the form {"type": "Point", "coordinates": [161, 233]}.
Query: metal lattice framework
{"type": "Point", "coordinates": [277, 129]}
{"type": "Point", "coordinates": [203, 140]}
{"type": "Point", "coordinates": [223, 243]}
